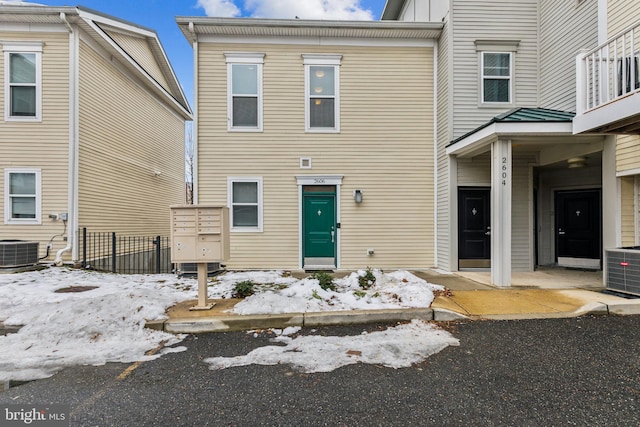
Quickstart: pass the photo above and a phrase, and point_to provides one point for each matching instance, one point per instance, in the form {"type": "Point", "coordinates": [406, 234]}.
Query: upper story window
{"type": "Point", "coordinates": [496, 77]}
{"type": "Point", "coordinates": [497, 71]}
{"type": "Point", "coordinates": [322, 94]}
{"type": "Point", "coordinates": [22, 196]}
{"type": "Point", "coordinates": [244, 91]}
{"type": "Point", "coordinates": [22, 77]}
{"type": "Point", "coordinates": [245, 203]}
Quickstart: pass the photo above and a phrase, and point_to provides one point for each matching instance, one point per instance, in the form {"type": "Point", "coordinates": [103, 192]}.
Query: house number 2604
{"type": "Point", "coordinates": [504, 171]}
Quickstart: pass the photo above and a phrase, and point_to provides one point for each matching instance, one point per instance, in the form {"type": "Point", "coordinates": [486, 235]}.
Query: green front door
{"type": "Point", "coordinates": [319, 226]}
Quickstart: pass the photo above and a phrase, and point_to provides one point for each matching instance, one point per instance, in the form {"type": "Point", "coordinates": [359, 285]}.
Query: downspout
{"type": "Point", "coordinates": [194, 178]}
{"type": "Point", "coordinates": [72, 197]}
{"type": "Point", "coordinates": [435, 152]}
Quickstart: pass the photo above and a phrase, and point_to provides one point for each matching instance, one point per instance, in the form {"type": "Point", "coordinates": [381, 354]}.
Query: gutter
{"type": "Point", "coordinates": [194, 126]}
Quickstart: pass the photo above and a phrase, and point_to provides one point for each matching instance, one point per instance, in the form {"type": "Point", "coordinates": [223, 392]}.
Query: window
{"type": "Point", "coordinates": [496, 77]}
{"type": "Point", "coordinates": [22, 196]}
{"type": "Point", "coordinates": [22, 80]}
{"type": "Point", "coordinates": [245, 201]}
{"type": "Point", "coordinates": [244, 87]}
{"type": "Point", "coordinates": [322, 75]}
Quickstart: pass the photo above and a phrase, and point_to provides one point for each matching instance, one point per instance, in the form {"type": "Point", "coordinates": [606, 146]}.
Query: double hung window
{"type": "Point", "coordinates": [496, 77]}
{"type": "Point", "coordinates": [245, 202]}
{"type": "Point", "coordinates": [22, 196]}
{"type": "Point", "coordinates": [244, 91]}
{"type": "Point", "coordinates": [22, 80]}
{"type": "Point", "coordinates": [322, 94]}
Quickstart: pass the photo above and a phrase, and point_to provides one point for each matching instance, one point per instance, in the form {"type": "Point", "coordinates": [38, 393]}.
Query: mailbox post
{"type": "Point", "coordinates": [200, 234]}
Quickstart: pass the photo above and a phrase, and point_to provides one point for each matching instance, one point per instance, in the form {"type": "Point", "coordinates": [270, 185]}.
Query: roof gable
{"type": "Point", "coordinates": [137, 47]}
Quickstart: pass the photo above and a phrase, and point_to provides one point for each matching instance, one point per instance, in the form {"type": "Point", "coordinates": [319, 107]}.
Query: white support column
{"type": "Point", "coordinates": [611, 218]}
{"type": "Point", "coordinates": [501, 184]}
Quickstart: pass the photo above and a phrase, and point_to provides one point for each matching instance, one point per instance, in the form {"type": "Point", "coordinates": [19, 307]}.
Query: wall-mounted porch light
{"type": "Point", "coordinates": [357, 196]}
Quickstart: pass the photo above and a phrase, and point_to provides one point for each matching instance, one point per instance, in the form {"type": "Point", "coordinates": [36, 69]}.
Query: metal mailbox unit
{"type": "Point", "coordinates": [200, 234]}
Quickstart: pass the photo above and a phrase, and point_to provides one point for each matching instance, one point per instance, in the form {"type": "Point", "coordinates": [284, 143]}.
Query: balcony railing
{"type": "Point", "coordinates": [608, 72]}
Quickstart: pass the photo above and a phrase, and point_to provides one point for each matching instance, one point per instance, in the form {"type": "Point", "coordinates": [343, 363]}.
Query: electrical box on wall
{"type": "Point", "coordinates": [199, 234]}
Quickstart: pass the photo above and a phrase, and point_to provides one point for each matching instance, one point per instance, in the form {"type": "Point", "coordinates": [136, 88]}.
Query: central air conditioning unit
{"type": "Point", "coordinates": [190, 269]}
{"type": "Point", "coordinates": [623, 269]}
{"type": "Point", "coordinates": [18, 253]}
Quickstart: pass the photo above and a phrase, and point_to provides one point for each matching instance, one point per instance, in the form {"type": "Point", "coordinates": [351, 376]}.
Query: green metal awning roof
{"type": "Point", "coordinates": [524, 115]}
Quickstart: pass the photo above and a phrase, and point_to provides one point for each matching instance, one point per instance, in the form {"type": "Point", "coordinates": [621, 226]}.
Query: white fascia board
{"type": "Point", "coordinates": [474, 141]}
{"type": "Point", "coordinates": [113, 22]}
{"type": "Point", "coordinates": [318, 41]}
{"type": "Point", "coordinates": [34, 28]}
{"type": "Point", "coordinates": [612, 112]}
{"type": "Point", "coordinates": [508, 130]}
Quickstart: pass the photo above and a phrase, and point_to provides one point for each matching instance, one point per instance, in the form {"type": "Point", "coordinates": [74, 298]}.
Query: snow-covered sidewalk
{"type": "Point", "coordinates": [73, 317]}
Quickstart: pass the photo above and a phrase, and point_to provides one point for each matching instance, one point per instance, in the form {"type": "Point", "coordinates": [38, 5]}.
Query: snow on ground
{"type": "Point", "coordinates": [106, 323]}
{"type": "Point", "coordinates": [279, 294]}
{"type": "Point", "coordinates": [397, 347]}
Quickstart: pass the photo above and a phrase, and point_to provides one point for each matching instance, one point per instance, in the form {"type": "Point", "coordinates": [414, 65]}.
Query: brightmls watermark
{"type": "Point", "coordinates": [34, 415]}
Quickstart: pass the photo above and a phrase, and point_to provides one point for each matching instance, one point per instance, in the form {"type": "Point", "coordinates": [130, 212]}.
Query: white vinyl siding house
{"type": "Point", "coordinates": [565, 28]}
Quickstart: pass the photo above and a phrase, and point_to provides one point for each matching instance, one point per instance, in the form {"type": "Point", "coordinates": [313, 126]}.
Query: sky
{"type": "Point", "coordinates": [104, 320]}
{"type": "Point", "coordinates": [159, 15]}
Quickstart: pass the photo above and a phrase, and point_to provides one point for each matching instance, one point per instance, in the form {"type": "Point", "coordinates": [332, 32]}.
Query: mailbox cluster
{"type": "Point", "coordinates": [199, 234]}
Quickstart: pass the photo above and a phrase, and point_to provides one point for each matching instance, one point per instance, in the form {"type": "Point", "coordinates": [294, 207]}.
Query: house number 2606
{"type": "Point", "coordinates": [504, 171]}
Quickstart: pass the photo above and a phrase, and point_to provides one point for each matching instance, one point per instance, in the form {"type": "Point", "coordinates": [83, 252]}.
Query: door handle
{"type": "Point", "coordinates": [488, 233]}
{"type": "Point", "coordinates": [333, 234]}
{"type": "Point", "coordinates": [560, 232]}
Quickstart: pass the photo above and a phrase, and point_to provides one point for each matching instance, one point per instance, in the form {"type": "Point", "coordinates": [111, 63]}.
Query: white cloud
{"type": "Point", "coordinates": [289, 9]}
{"type": "Point", "coordinates": [219, 8]}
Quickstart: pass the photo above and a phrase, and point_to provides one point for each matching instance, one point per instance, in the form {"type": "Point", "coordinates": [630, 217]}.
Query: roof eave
{"type": "Point", "coordinates": [198, 25]}
{"type": "Point", "coordinates": [392, 9]}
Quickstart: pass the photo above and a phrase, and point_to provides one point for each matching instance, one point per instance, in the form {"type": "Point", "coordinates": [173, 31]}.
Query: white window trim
{"type": "Point", "coordinates": [232, 58]}
{"type": "Point", "coordinates": [510, 78]}
{"type": "Point", "coordinates": [325, 60]}
{"type": "Point", "coordinates": [230, 181]}
{"type": "Point", "coordinates": [7, 199]}
{"type": "Point", "coordinates": [22, 47]}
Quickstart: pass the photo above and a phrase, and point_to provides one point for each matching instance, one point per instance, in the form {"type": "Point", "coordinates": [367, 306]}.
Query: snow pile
{"type": "Point", "coordinates": [93, 327]}
{"type": "Point", "coordinates": [397, 347]}
{"type": "Point", "coordinates": [278, 294]}
{"type": "Point", "coordinates": [103, 321]}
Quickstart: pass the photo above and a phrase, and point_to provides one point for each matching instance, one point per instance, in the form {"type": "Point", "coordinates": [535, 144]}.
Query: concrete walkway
{"type": "Point", "coordinates": [559, 294]}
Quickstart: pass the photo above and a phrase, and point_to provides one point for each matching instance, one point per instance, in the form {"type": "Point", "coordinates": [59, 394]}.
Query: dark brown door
{"type": "Point", "coordinates": [578, 228]}
{"type": "Point", "coordinates": [474, 227]}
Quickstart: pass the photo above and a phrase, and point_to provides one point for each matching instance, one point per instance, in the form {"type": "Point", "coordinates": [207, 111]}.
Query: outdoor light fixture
{"type": "Point", "coordinates": [577, 162]}
{"type": "Point", "coordinates": [357, 196]}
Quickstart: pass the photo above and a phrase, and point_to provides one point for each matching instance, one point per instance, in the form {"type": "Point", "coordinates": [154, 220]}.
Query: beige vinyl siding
{"type": "Point", "coordinates": [40, 145]}
{"type": "Point", "coordinates": [444, 137]}
{"type": "Point", "coordinates": [126, 135]}
{"type": "Point", "coordinates": [475, 172]}
{"type": "Point", "coordinates": [138, 49]}
{"type": "Point", "coordinates": [627, 149]}
{"type": "Point", "coordinates": [496, 20]}
{"type": "Point", "coordinates": [564, 29]}
{"type": "Point", "coordinates": [385, 148]}
{"type": "Point", "coordinates": [621, 15]}
{"type": "Point", "coordinates": [627, 210]}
